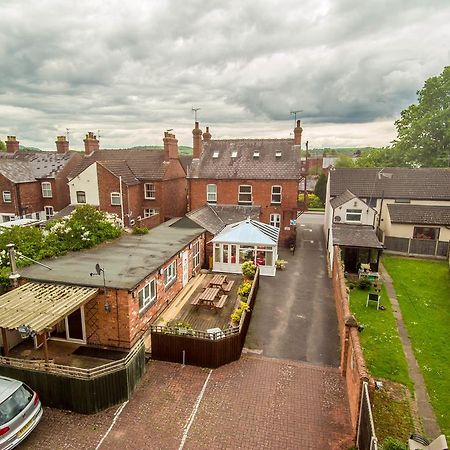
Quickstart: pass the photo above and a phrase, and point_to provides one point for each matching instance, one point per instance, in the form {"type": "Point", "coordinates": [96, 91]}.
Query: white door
{"type": "Point", "coordinates": [185, 260]}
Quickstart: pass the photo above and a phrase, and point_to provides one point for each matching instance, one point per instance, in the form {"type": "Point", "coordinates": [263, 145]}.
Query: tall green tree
{"type": "Point", "coordinates": [2, 146]}
{"type": "Point", "coordinates": [423, 130]}
{"type": "Point", "coordinates": [321, 188]}
{"type": "Point", "coordinates": [344, 161]}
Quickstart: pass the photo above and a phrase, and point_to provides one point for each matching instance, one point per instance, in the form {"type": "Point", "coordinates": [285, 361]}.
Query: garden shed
{"type": "Point", "coordinates": [248, 240]}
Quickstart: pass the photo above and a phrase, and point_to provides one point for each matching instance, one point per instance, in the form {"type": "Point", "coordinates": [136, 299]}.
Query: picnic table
{"type": "Point", "coordinates": [218, 280]}
{"type": "Point", "coordinates": [208, 296]}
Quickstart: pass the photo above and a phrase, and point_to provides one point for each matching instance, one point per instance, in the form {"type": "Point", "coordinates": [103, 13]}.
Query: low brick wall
{"type": "Point", "coordinates": [353, 366]}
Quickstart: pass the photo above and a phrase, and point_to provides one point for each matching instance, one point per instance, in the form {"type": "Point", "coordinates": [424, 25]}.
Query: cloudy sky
{"type": "Point", "coordinates": [134, 69]}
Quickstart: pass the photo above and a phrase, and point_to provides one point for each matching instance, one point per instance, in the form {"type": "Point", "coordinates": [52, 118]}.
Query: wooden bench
{"type": "Point", "coordinates": [228, 286]}
{"type": "Point", "coordinates": [221, 302]}
{"type": "Point", "coordinates": [196, 300]}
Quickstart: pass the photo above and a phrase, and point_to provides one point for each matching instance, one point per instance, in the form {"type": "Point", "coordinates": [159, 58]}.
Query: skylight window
{"type": "Point", "coordinates": [278, 154]}
{"type": "Point", "coordinates": [216, 154]}
{"type": "Point", "coordinates": [234, 154]}
{"type": "Point", "coordinates": [256, 154]}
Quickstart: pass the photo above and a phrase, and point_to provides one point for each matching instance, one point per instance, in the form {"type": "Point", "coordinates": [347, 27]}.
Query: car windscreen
{"type": "Point", "coordinates": [15, 403]}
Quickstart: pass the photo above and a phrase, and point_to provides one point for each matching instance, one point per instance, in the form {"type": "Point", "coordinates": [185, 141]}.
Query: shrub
{"type": "Point", "coordinates": [280, 264]}
{"type": "Point", "coordinates": [248, 269]}
{"type": "Point", "coordinates": [364, 284]}
{"type": "Point", "coordinates": [237, 313]}
{"type": "Point", "coordinates": [393, 444]}
{"type": "Point", "coordinates": [140, 230]}
{"type": "Point", "coordinates": [245, 288]}
{"type": "Point", "coordinates": [314, 201]}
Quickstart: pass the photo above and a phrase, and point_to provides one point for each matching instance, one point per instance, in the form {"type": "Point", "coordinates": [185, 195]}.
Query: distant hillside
{"type": "Point", "coordinates": [183, 149]}
{"type": "Point", "coordinates": [348, 151]}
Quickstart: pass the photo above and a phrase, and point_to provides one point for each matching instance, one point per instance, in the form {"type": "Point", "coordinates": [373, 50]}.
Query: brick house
{"type": "Point", "coordinates": [251, 172]}
{"type": "Point", "coordinates": [143, 274]}
{"type": "Point", "coordinates": [144, 187]}
{"type": "Point", "coordinates": [34, 184]}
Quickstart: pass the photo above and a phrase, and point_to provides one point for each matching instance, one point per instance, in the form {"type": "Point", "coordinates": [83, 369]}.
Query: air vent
{"type": "Point", "coordinates": [215, 155]}
{"type": "Point", "coordinates": [132, 222]}
{"type": "Point", "coordinates": [337, 218]}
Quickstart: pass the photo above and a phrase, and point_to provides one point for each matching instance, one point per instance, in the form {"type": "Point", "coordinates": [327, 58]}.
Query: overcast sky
{"type": "Point", "coordinates": [134, 69]}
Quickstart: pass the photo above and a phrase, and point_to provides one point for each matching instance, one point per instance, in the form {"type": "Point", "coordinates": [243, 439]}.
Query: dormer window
{"type": "Point", "coordinates": [234, 154]}
{"type": "Point", "coordinates": [255, 154]}
{"type": "Point", "coordinates": [216, 154]}
{"type": "Point", "coordinates": [278, 154]}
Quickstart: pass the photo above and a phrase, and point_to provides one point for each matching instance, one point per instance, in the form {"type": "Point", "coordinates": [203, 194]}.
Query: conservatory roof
{"type": "Point", "coordinates": [248, 232]}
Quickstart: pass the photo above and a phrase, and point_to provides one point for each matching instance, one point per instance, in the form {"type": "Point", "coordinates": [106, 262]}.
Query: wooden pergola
{"type": "Point", "coordinates": [34, 308]}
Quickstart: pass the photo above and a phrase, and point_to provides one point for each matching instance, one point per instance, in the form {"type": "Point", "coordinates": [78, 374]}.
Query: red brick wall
{"type": "Point", "coordinates": [31, 197]}
{"type": "Point", "coordinates": [124, 325]}
{"type": "Point", "coordinates": [227, 193]}
{"type": "Point", "coordinates": [6, 185]}
{"type": "Point", "coordinates": [353, 366]}
{"type": "Point", "coordinates": [174, 197]}
{"type": "Point", "coordinates": [62, 191]}
{"type": "Point", "coordinates": [110, 183]}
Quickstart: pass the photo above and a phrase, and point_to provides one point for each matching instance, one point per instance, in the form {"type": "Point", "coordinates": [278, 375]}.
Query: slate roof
{"type": "Point", "coordinates": [185, 161]}
{"type": "Point", "coordinates": [341, 199]}
{"type": "Point", "coordinates": [405, 183]}
{"type": "Point", "coordinates": [145, 164]}
{"type": "Point", "coordinates": [355, 236]}
{"type": "Point", "coordinates": [419, 214]}
{"type": "Point", "coordinates": [127, 260]}
{"type": "Point", "coordinates": [120, 169]}
{"type": "Point", "coordinates": [245, 165]}
{"type": "Point", "coordinates": [24, 167]}
{"type": "Point", "coordinates": [214, 218]}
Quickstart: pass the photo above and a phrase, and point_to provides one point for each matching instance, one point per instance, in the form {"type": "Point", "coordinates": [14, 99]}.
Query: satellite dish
{"type": "Point", "coordinates": [98, 269]}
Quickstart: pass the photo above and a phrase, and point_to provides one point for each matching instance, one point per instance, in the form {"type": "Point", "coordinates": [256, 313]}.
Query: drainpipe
{"type": "Point", "coordinates": [121, 200]}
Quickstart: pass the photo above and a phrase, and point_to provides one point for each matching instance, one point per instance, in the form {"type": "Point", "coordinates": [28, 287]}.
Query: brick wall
{"type": "Point", "coordinates": [124, 324]}
{"type": "Point", "coordinates": [62, 191]}
{"type": "Point", "coordinates": [353, 366]}
{"type": "Point", "coordinates": [227, 193]}
{"type": "Point", "coordinates": [6, 185]}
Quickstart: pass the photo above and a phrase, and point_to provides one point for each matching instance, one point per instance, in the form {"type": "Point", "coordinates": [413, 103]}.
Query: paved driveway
{"type": "Point", "coordinates": [254, 403]}
{"type": "Point", "coordinates": [295, 316]}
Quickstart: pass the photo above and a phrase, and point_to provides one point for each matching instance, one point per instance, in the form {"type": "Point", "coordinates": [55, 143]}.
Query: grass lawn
{"type": "Point", "coordinates": [423, 291]}
{"type": "Point", "coordinates": [380, 341]}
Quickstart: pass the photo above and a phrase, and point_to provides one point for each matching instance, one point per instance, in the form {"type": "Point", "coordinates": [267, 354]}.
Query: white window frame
{"type": "Point", "coordinates": [6, 195]}
{"type": "Point", "coordinates": [116, 195]}
{"type": "Point", "coordinates": [49, 212]}
{"type": "Point", "coordinates": [46, 188]}
{"type": "Point", "coordinates": [147, 295]}
{"type": "Point", "coordinates": [81, 192]}
{"type": "Point", "coordinates": [275, 220]}
{"type": "Point", "coordinates": [150, 212]}
{"type": "Point", "coordinates": [170, 273]}
{"type": "Point", "coordinates": [149, 191]}
{"type": "Point", "coordinates": [211, 195]}
{"type": "Point", "coordinates": [196, 254]}
{"type": "Point", "coordinates": [276, 194]}
{"type": "Point", "coordinates": [246, 202]}
{"type": "Point", "coordinates": [353, 212]}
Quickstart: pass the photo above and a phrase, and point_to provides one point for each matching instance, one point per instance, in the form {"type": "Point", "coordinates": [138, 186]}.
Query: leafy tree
{"type": "Point", "coordinates": [423, 130]}
{"type": "Point", "coordinates": [344, 161]}
{"type": "Point", "coordinates": [2, 146]}
{"type": "Point", "coordinates": [321, 188]}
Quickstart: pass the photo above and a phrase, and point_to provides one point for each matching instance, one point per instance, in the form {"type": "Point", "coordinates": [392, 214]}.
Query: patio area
{"type": "Point", "coordinates": [66, 354]}
{"type": "Point", "coordinates": [202, 317]}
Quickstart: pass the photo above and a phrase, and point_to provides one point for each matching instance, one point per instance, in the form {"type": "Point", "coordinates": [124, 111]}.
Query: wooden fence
{"type": "Point", "coordinates": [81, 390]}
{"type": "Point", "coordinates": [423, 247]}
{"type": "Point", "coordinates": [199, 348]}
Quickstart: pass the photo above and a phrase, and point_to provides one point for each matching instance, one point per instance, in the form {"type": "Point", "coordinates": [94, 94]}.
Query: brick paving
{"type": "Point", "coordinates": [254, 403]}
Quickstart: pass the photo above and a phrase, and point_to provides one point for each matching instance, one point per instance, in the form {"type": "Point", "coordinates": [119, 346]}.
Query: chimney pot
{"type": "Point", "coordinates": [62, 144]}
{"type": "Point", "coordinates": [12, 144]}
{"type": "Point", "coordinates": [298, 134]}
{"type": "Point", "coordinates": [207, 135]}
{"type": "Point", "coordinates": [170, 146]}
{"type": "Point", "coordinates": [91, 143]}
{"type": "Point", "coordinates": [197, 141]}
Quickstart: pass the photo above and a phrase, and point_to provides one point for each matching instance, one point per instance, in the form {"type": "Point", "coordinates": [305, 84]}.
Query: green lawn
{"type": "Point", "coordinates": [380, 341]}
{"type": "Point", "coordinates": [423, 291]}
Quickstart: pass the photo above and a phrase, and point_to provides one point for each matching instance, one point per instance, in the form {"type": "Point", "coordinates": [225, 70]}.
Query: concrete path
{"type": "Point", "coordinates": [424, 408]}
{"type": "Point", "coordinates": [295, 315]}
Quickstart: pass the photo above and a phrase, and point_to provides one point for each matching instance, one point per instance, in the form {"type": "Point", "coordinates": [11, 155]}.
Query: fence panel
{"type": "Point", "coordinates": [443, 249]}
{"type": "Point", "coordinates": [366, 439]}
{"type": "Point", "coordinates": [422, 247]}
{"type": "Point", "coordinates": [396, 244]}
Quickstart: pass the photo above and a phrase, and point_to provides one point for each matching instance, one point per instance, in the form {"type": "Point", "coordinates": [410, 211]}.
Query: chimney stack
{"type": "Point", "coordinates": [170, 146]}
{"type": "Point", "coordinates": [12, 144]}
{"type": "Point", "coordinates": [197, 137]}
{"type": "Point", "coordinates": [91, 143]}
{"type": "Point", "coordinates": [62, 144]}
{"type": "Point", "coordinates": [207, 135]}
{"type": "Point", "coordinates": [298, 134]}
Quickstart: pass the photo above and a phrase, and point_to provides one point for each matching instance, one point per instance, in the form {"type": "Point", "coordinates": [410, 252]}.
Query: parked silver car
{"type": "Point", "coordinates": [20, 412]}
